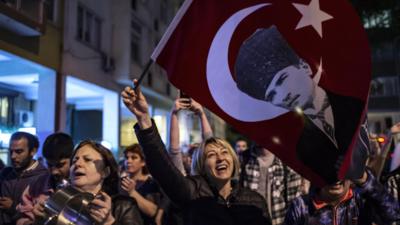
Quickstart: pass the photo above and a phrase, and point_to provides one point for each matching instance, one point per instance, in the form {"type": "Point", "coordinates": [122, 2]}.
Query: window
{"type": "Point", "coordinates": [88, 27]}
{"type": "Point", "coordinates": [6, 109]}
{"type": "Point", "coordinates": [134, 4]}
{"type": "Point", "coordinates": [32, 9]}
{"type": "Point", "coordinates": [51, 10]}
{"type": "Point", "coordinates": [136, 32]}
{"type": "Point", "coordinates": [136, 27]}
{"type": "Point", "coordinates": [385, 87]}
{"type": "Point", "coordinates": [164, 11]}
{"type": "Point", "coordinates": [97, 32]}
{"type": "Point", "coordinates": [381, 19]}
{"type": "Point", "coordinates": [168, 89]}
{"type": "Point", "coordinates": [135, 53]}
{"type": "Point", "coordinates": [155, 25]}
{"type": "Point", "coordinates": [150, 79]}
{"type": "Point", "coordinates": [80, 23]}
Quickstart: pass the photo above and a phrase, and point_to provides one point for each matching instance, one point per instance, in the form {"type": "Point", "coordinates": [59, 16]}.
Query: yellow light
{"type": "Point", "coordinates": [381, 139]}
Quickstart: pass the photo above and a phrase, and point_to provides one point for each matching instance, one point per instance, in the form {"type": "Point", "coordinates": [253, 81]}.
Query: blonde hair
{"type": "Point", "coordinates": [199, 156]}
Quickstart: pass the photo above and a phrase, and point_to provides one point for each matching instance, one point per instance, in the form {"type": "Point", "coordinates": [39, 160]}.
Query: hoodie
{"type": "Point", "coordinates": [12, 185]}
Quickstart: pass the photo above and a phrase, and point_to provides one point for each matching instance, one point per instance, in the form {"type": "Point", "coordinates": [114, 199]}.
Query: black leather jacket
{"type": "Point", "coordinates": [125, 211]}
{"type": "Point", "coordinates": [197, 198]}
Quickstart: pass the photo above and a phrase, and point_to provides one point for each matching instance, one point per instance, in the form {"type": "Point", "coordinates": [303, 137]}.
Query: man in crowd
{"type": "Point", "coordinates": [15, 179]}
{"type": "Point", "coordinates": [277, 183]}
{"type": "Point", "coordinates": [57, 150]}
{"type": "Point", "coordinates": [339, 203]}
{"type": "Point", "coordinates": [240, 145]}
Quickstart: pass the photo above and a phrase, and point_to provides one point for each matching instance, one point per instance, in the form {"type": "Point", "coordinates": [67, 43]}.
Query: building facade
{"type": "Point", "coordinates": [30, 62]}
{"type": "Point", "coordinates": [64, 64]}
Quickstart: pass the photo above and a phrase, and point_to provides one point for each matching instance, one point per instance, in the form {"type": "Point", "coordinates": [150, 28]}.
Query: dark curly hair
{"type": "Point", "coordinates": [110, 183]}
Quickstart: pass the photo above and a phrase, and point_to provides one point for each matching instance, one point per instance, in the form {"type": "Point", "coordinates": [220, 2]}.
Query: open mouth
{"type": "Point", "coordinates": [221, 167]}
{"type": "Point", "coordinates": [78, 174]}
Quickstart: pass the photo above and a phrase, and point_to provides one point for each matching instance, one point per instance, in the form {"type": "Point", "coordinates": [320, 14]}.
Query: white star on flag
{"type": "Point", "coordinates": [312, 15]}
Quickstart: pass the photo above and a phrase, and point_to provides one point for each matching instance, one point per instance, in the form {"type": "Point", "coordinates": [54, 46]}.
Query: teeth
{"type": "Point", "coordinates": [221, 167]}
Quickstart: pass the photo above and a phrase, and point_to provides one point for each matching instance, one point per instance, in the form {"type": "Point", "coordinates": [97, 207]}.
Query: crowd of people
{"type": "Point", "coordinates": [209, 183]}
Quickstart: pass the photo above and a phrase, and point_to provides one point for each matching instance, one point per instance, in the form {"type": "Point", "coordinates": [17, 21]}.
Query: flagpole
{"type": "Point", "coordinates": [144, 72]}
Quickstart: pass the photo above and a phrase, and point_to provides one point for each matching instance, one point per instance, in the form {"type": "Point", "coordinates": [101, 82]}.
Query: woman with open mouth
{"type": "Point", "coordinates": [94, 170]}
{"type": "Point", "coordinates": [211, 195]}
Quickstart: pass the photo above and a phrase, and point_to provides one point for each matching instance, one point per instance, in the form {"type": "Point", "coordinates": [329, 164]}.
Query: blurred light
{"type": "Point", "coordinates": [107, 144]}
{"type": "Point", "coordinates": [298, 110]}
{"type": "Point", "coordinates": [31, 130]}
{"type": "Point", "coordinates": [4, 58]}
{"type": "Point", "coordinates": [5, 139]}
{"type": "Point", "coordinates": [276, 140]}
{"type": "Point", "coordinates": [381, 139]}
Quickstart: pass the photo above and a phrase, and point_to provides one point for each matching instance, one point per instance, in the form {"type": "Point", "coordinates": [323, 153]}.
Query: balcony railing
{"type": "Point", "coordinates": [24, 17]}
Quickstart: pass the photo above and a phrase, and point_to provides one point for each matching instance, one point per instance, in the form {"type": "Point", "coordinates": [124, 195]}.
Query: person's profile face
{"type": "Point", "coordinates": [291, 87]}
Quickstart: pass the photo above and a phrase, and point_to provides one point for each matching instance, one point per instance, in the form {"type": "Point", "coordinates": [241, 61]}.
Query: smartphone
{"type": "Point", "coordinates": [183, 95]}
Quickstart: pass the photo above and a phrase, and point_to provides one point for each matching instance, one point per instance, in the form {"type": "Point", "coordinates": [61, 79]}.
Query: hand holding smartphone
{"type": "Point", "coordinates": [185, 99]}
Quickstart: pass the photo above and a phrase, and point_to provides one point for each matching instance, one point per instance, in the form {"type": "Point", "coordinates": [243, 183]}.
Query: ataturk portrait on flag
{"type": "Point", "coordinates": [268, 69]}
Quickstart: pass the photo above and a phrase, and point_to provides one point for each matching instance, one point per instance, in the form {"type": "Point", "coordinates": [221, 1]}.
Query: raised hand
{"type": "Point", "coordinates": [137, 104]}
{"type": "Point", "coordinates": [196, 107]}
{"type": "Point", "coordinates": [181, 103]}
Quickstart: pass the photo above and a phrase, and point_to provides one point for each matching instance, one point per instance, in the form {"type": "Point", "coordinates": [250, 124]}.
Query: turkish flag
{"type": "Point", "coordinates": [291, 75]}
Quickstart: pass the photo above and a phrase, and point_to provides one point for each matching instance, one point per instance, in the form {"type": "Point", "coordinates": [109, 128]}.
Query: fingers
{"type": "Point", "coordinates": [128, 184]}
{"type": "Point", "coordinates": [100, 208]}
{"type": "Point", "coordinates": [184, 104]}
{"type": "Point", "coordinates": [98, 203]}
{"type": "Point", "coordinates": [128, 93]}
{"type": "Point", "coordinates": [138, 90]}
{"type": "Point", "coordinates": [125, 184]}
{"type": "Point", "coordinates": [99, 215]}
{"type": "Point", "coordinates": [38, 209]}
{"type": "Point", "coordinates": [102, 201]}
{"type": "Point", "coordinates": [194, 102]}
{"type": "Point", "coordinates": [107, 198]}
{"type": "Point", "coordinates": [136, 86]}
{"type": "Point", "coordinates": [5, 203]}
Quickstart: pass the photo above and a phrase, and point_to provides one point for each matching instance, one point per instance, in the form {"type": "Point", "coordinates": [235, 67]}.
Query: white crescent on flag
{"type": "Point", "coordinates": [230, 99]}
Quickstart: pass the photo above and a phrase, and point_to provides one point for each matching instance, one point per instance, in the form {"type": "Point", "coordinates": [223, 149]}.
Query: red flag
{"type": "Point", "coordinates": [291, 75]}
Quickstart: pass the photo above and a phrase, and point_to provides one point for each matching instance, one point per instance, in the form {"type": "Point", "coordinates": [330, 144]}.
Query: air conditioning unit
{"type": "Point", "coordinates": [24, 118]}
